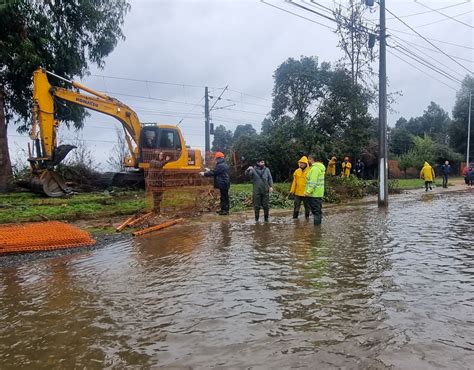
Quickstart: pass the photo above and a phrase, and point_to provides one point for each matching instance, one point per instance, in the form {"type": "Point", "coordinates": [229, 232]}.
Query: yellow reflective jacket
{"type": "Point", "coordinates": [346, 169]}
{"type": "Point", "coordinates": [299, 178]}
{"type": "Point", "coordinates": [427, 172]}
{"type": "Point", "coordinates": [331, 170]}
{"type": "Point", "coordinates": [315, 180]}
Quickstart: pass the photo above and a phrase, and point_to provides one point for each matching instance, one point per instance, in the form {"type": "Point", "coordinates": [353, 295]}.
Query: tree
{"type": "Point", "coordinates": [119, 152]}
{"type": "Point", "coordinates": [458, 128]}
{"type": "Point", "coordinates": [400, 141]}
{"type": "Point", "coordinates": [61, 36]}
{"type": "Point", "coordinates": [298, 85]}
{"type": "Point", "coordinates": [222, 140]}
{"type": "Point", "coordinates": [243, 130]}
{"type": "Point", "coordinates": [354, 40]}
{"type": "Point", "coordinates": [423, 150]}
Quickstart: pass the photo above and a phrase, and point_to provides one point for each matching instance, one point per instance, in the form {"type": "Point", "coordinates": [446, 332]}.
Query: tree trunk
{"type": "Point", "coordinates": [5, 164]}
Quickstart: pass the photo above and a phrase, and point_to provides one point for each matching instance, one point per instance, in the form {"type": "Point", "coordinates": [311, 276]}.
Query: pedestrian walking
{"type": "Point", "coordinates": [346, 167]}
{"type": "Point", "coordinates": [298, 187]}
{"type": "Point", "coordinates": [427, 173]}
{"type": "Point", "coordinates": [469, 178]}
{"type": "Point", "coordinates": [262, 187]}
{"type": "Point", "coordinates": [445, 171]}
{"type": "Point", "coordinates": [331, 170]}
{"type": "Point", "coordinates": [359, 169]}
{"type": "Point", "coordinates": [221, 181]}
{"type": "Point", "coordinates": [315, 187]}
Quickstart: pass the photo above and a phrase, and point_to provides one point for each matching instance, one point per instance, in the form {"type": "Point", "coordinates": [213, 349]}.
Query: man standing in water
{"type": "Point", "coordinates": [298, 187]}
{"type": "Point", "coordinates": [221, 181]}
{"type": "Point", "coordinates": [427, 173]}
{"type": "Point", "coordinates": [445, 171]}
{"type": "Point", "coordinates": [315, 187]}
{"type": "Point", "coordinates": [262, 187]}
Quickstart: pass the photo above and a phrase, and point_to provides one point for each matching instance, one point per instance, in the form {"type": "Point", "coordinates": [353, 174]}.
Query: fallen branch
{"type": "Point", "coordinates": [157, 227]}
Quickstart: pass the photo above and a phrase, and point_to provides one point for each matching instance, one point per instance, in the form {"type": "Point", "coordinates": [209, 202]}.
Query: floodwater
{"type": "Point", "coordinates": [369, 289]}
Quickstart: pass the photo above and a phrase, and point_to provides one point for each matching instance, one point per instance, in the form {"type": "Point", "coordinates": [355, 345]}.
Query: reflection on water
{"type": "Point", "coordinates": [369, 288]}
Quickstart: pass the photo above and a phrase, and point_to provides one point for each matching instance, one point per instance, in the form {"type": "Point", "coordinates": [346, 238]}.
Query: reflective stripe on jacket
{"type": "Point", "coordinates": [315, 180]}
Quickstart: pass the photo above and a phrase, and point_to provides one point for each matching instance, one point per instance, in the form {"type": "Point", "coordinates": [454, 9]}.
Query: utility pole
{"type": "Point", "coordinates": [383, 161]}
{"type": "Point", "coordinates": [207, 147]}
{"type": "Point", "coordinates": [468, 130]}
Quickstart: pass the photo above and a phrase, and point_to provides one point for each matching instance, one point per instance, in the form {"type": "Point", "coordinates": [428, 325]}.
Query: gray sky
{"type": "Point", "coordinates": [240, 44]}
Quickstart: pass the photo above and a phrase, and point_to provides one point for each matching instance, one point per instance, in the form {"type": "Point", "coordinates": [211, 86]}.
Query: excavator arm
{"type": "Point", "coordinates": [45, 124]}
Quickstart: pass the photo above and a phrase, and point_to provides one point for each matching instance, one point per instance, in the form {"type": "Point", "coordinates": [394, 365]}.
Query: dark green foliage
{"type": "Point", "coordinates": [458, 128]}
{"type": "Point", "coordinates": [222, 140]}
{"type": "Point", "coordinates": [61, 36]}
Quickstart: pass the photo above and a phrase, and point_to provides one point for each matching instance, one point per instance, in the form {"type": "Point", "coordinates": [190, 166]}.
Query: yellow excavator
{"type": "Point", "coordinates": [145, 142]}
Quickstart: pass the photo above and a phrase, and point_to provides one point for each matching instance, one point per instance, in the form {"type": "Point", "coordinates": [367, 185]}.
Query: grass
{"type": "Point", "coordinates": [22, 207]}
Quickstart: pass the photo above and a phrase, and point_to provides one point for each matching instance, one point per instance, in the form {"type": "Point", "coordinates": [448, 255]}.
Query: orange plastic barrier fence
{"type": "Point", "coordinates": [41, 236]}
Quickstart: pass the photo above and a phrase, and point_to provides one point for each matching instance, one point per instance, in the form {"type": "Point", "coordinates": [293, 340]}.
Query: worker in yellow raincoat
{"type": "Point", "coordinates": [346, 167]}
{"type": "Point", "coordinates": [427, 173]}
{"type": "Point", "coordinates": [298, 185]}
{"type": "Point", "coordinates": [331, 170]}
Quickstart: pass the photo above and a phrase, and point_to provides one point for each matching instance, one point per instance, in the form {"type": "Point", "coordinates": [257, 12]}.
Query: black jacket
{"type": "Point", "coordinates": [220, 174]}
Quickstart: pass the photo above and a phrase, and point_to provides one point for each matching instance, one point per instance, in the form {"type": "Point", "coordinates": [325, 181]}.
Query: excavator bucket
{"type": "Point", "coordinates": [50, 183]}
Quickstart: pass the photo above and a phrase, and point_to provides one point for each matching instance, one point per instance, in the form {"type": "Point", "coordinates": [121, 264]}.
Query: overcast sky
{"type": "Point", "coordinates": [239, 44]}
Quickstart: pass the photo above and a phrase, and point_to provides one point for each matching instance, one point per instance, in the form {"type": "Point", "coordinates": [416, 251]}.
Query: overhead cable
{"type": "Point", "coordinates": [443, 14]}
{"type": "Point", "coordinates": [424, 38]}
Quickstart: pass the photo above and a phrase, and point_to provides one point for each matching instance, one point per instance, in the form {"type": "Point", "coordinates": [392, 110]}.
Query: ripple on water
{"type": "Point", "coordinates": [368, 289]}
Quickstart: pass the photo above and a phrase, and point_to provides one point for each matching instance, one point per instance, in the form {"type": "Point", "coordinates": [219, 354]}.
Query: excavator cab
{"type": "Point", "coordinates": [155, 139]}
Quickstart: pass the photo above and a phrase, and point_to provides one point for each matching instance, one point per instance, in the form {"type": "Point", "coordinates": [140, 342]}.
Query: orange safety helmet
{"type": "Point", "coordinates": [219, 155]}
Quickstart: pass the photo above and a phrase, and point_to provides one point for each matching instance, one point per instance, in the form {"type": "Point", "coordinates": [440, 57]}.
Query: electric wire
{"type": "Point", "coordinates": [445, 15]}
{"type": "Point", "coordinates": [297, 15]}
{"type": "Point", "coordinates": [424, 38]}
{"type": "Point", "coordinates": [431, 11]}
{"type": "Point", "coordinates": [422, 62]}
{"type": "Point", "coordinates": [433, 67]}
{"type": "Point", "coordinates": [444, 19]}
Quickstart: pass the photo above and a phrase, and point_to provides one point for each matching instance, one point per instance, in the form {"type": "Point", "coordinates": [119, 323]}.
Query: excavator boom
{"type": "Point", "coordinates": [143, 141]}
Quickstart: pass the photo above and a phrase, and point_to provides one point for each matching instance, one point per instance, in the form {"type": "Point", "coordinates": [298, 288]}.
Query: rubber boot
{"type": "Point", "coordinates": [257, 214]}
{"type": "Point", "coordinates": [317, 221]}
{"type": "Point", "coordinates": [266, 214]}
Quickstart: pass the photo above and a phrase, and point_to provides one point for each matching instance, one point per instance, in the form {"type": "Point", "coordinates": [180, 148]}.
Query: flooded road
{"type": "Point", "coordinates": [369, 289]}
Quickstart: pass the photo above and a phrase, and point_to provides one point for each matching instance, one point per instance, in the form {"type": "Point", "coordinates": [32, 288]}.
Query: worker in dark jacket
{"type": "Point", "coordinates": [359, 169]}
{"type": "Point", "coordinates": [221, 181]}
{"type": "Point", "coordinates": [445, 171]}
{"type": "Point", "coordinates": [262, 187]}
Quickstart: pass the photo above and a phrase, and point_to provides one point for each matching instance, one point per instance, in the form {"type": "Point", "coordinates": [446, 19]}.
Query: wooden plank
{"type": "Point", "coordinates": [141, 219]}
{"type": "Point", "coordinates": [124, 224]}
{"type": "Point", "coordinates": [157, 227]}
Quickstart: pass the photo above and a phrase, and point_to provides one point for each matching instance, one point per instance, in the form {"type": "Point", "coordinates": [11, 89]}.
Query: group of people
{"type": "Point", "coordinates": [307, 186]}
{"type": "Point", "coordinates": [346, 168]}
{"type": "Point", "coordinates": [427, 173]}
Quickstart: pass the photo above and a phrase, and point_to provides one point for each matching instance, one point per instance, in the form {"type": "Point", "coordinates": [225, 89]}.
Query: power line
{"type": "Point", "coordinates": [444, 19]}
{"type": "Point", "coordinates": [430, 49]}
{"type": "Point", "coordinates": [419, 69]}
{"type": "Point", "coordinates": [432, 39]}
{"type": "Point", "coordinates": [443, 14]}
{"type": "Point", "coordinates": [252, 96]}
{"type": "Point", "coordinates": [430, 11]}
{"type": "Point", "coordinates": [297, 15]}
{"type": "Point", "coordinates": [149, 81]}
{"type": "Point", "coordinates": [425, 63]}
{"type": "Point", "coordinates": [444, 65]}
{"type": "Point", "coordinates": [189, 113]}
{"type": "Point", "coordinates": [424, 38]}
